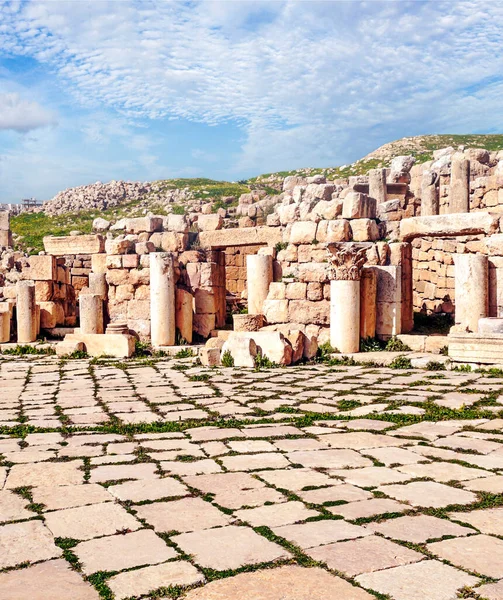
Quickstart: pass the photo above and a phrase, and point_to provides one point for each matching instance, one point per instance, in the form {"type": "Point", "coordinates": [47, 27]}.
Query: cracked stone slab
{"type": "Point", "coordinates": [229, 547]}
{"type": "Point", "coordinates": [425, 580]}
{"type": "Point", "coordinates": [289, 582]}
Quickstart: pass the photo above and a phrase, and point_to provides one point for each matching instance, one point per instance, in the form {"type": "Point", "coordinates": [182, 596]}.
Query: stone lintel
{"type": "Point", "coordinates": [449, 225]}
{"type": "Point", "coordinates": [243, 236]}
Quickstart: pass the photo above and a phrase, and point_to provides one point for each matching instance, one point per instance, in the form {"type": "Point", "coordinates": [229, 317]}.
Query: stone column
{"type": "Point", "coordinates": [91, 313]}
{"type": "Point", "coordinates": [459, 195]}
{"type": "Point", "coordinates": [346, 269]}
{"type": "Point", "coordinates": [259, 277]}
{"type": "Point", "coordinates": [26, 312]}
{"type": "Point", "coordinates": [162, 299]}
{"type": "Point", "coordinates": [184, 314]}
{"type": "Point", "coordinates": [98, 285]}
{"type": "Point", "coordinates": [429, 194]}
{"type": "Point", "coordinates": [471, 281]}
{"type": "Point", "coordinates": [4, 322]}
{"type": "Point", "coordinates": [377, 185]}
{"type": "Point", "coordinates": [389, 301]}
{"type": "Point", "coordinates": [368, 292]}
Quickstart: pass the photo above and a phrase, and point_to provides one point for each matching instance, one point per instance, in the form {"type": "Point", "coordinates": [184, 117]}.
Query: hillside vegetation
{"type": "Point", "coordinates": [182, 193]}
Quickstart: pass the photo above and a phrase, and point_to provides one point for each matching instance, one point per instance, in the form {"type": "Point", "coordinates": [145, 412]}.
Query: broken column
{"type": "Point", "coordinates": [429, 194]}
{"type": "Point", "coordinates": [98, 285]}
{"type": "Point", "coordinates": [5, 233]}
{"type": "Point", "coordinates": [258, 276]}
{"type": "Point", "coordinates": [377, 185]}
{"type": "Point", "coordinates": [5, 312]}
{"type": "Point", "coordinates": [368, 291]}
{"type": "Point", "coordinates": [346, 268]}
{"type": "Point", "coordinates": [389, 301]}
{"type": "Point", "coordinates": [471, 283]}
{"type": "Point", "coordinates": [26, 312]}
{"type": "Point", "coordinates": [91, 313]}
{"type": "Point", "coordinates": [459, 195]}
{"type": "Point", "coordinates": [162, 299]}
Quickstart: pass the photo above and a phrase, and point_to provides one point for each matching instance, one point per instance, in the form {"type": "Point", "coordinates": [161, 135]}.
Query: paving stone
{"type": "Point", "coordinates": [142, 581]}
{"type": "Point", "coordinates": [370, 476]}
{"type": "Point", "coordinates": [364, 555]}
{"type": "Point", "coordinates": [269, 431]}
{"type": "Point", "coordinates": [335, 493]}
{"type": "Point", "coordinates": [53, 580]}
{"type": "Point", "coordinates": [418, 529]}
{"type": "Point", "coordinates": [29, 541]}
{"type": "Point", "coordinates": [429, 494]}
{"type": "Point", "coordinates": [284, 583]}
{"type": "Point", "coordinates": [117, 472]}
{"type": "Point", "coordinates": [476, 553]}
{"type": "Point", "coordinates": [197, 467]}
{"type": "Point", "coordinates": [491, 591]}
{"type": "Point", "coordinates": [12, 507]}
{"type": "Point", "coordinates": [118, 552]}
{"type": "Point", "coordinates": [188, 514]}
{"type": "Point", "coordinates": [64, 473]}
{"type": "Point", "coordinates": [71, 496]}
{"type": "Point", "coordinates": [155, 489]}
{"type": "Point", "coordinates": [489, 520]}
{"type": "Point", "coordinates": [253, 462]}
{"type": "Point", "coordinates": [425, 580]}
{"type": "Point", "coordinates": [87, 522]}
{"type": "Point", "coordinates": [368, 508]}
{"type": "Point", "coordinates": [467, 443]}
{"type": "Point", "coordinates": [251, 446]}
{"type": "Point", "coordinates": [229, 547]}
{"type": "Point", "coordinates": [296, 479]}
{"type": "Point", "coordinates": [329, 459]}
{"type": "Point", "coordinates": [393, 456]}
{"type": "Point", "coordinates": [276, 514]}
{"type": "Point", "coordinates": [359, 440]}
{"type": "Point", "coordinates": [493, 485]}
{"type": "Point", "coordinates": [429, 430]}
{"type": "Point", "coordinates": [444, 472]}
{"type": "Point", "coordinates": [318, 533]}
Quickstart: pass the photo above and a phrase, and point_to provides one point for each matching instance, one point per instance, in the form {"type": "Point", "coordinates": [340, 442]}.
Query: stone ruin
{"type": "Point", "coordinates": [333, 261]}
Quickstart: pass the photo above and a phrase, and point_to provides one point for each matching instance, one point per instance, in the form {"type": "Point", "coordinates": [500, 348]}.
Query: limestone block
{"type": "Point", "coordinates": [98, 263]}
{"type": "Point", "coordinates": [204, 324]}
{"type": "Point", "coordinates": [170, 241]}
{"type": "Point", "coordinates": [65, 348]}
{"type": "Point", "coordinates": [144, 248]}
{"type": "Point", "coordinates": [176, 223]}
{"type": "Point", "coordinates": [124, 292]}
{"type": "Point", "coordinates": [43, 291]}
{"type": "Point", "coordinates": [118, 277]}
{"type": "Point", "coordinates": [448, 225]}
{"type": "Point", "coordinates": [296, 291]}
{"type": "Point", "coordinates": [140, 327]}
{"type": "Point", "coordinates": [297, 341]}
{"type": "Point", "coordinates": [269, 236]}
{"type": "Point", "coordinates": [100, 224]}
{"type": "Point", "coordinates": [4, 323]}
{"type": "Point", "coordinates": [204, 301]}
{"type": "Point", "coordinates": [364, 230]}
{"type": "Point", "coordinates": [368, 303]}
{"type": "Point", "coordinates": [288, 213]}
{"type": "Point", "coordinates": [317, 272]}
{"type": "Point", "coordinates": [459, 196]}
{"type": "Point", "coordinates": [184, 314]}
{"type": "Point", "coordinates": [51, 314]}
{"type": "Point", "coordinates": [130, 261]}
{"type": "Point", "coordinates": [303, 232]}
{"type": "Point", "coordinates": [138, 309]}
{"type": "Point", "coordinates": [276, 311]}
{"type": "Point", "coordinates": [119, 246]}
{"type": "Point", "coordinates": [277, 291]}
{"type": "Point", "coordinates": [41, 268]}
{"type": "Point", "coordinates": [141, 224]}
{"type": "Point", "coordinates": [247, 322]}
{"type": "Point", "coordinates": [389, 301]}
{"type": "Point", "coordinates": [79, 244]}
{"type": "Point", "coordinates": [303, 311]}
{"type": "Point", "coordinates": [338, 230]}
{"type": "Point", "coordinates": [112, 344]}
{"type": "Point", "coordinates": [359, 206]}
{"type": "Point", "coordinates": [4, 220]}
{"type": "Point", "coordinates": [211, 222]}
{"type": "Point", "coordinates": [329, 209]}
{"type": "Point", "coordinates": [242, 349]}
{"type": "Point", "coordinates": [310, 344]}
{"type": "Point", "coordinates": [210, 357]}
{"type": "Point", "coordinates": [377, 185]}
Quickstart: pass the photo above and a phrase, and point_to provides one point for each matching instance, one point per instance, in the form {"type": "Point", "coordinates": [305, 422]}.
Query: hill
{"type": "Point", "coordinates": [76, 208]}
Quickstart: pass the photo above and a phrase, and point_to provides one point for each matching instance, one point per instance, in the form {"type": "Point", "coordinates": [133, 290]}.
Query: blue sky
{"type": "Point", "coordinates": [144, 90]}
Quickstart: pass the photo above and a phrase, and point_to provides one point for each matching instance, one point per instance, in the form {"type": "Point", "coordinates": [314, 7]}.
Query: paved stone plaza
{"type": "Point", "coordinates": [164, 479]}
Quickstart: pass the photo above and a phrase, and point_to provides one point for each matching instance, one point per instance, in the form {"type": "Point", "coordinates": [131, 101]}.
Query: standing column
{"type": "Point", "coordinates": [98, 284]}
{"type": "Point", "coordinates": [26, 312]}
{"type": "Point", "coordinates": [345, 315]}
{"type": "Point", "coordinates": [162, 299]}
{"type": "Point", "coordinates": [259, 277]}
{"type": "Point", "coordinates": [4, 322]}
{"type": "Point", "coordinates": [91, 313]}
{"type": "Point", "coordinates": [377, 185]}
{"type": "Point", "coordinates": [429, 194]}
{"type": "Point", "coordinates": [459, 196]}
{"type": "Point", "coordinates": [368, 294]}
{"type": "Point", "coordinates": [471, 290]}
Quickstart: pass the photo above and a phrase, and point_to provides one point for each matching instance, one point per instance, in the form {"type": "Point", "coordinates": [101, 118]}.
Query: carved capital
{"type": "Point", "coordinates": [346, 263]}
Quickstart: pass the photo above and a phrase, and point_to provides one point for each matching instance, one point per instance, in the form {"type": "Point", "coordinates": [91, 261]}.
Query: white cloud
{"type": "Point", "coordinates": [20, 114]}
{"type": "Point", "coordinates": [309, 82]}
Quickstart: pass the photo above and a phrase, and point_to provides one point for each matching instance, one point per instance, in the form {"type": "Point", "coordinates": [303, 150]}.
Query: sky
{"type": "Point", "coordinates": [143, 89]}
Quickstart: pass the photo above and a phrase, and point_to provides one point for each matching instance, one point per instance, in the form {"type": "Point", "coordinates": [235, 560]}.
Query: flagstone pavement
{"type": "Point", "coordinates": [160, 478]}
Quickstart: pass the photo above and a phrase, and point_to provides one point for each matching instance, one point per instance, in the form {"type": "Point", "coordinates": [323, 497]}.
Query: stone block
{"type": "Point", "coordinates": [51, 314]}
{"type": "Point", "coordinates": [303, 311]}
{"type": "Point", "coordinates": [170, 241]}
{"type": "Point", "coordinates": [144, 224]}
{"type": "Point", "coordinates": [184, 313]}
{"type": "Point", "coordinates": [270, 343]}
{"type": "Point", "coordinates": [242, 349]}
{"type": "Point", "coordinates": [176, 223]}
{"type": "Point", "coordinates": [210, 357]}
{"type": "Point", "coordinates": [79, 244]}
{"type": "Point", "coordinates": [119, 246]}
{"type": "Point", "coordinates": [277, 291]}
{"type": "Point", "coordinates": [41, 268]}
{"type": "Point", "coordinates": [43, 291]}
{"type": "Point", "coordinates": [98, 263]}
{"type": "Point", "coordinates": [364, 230]}
{"type": "Point", "coordinates": [4, 220]}
{"type": "Point", "coordinates": [65, 348]}
{"type": "Point", "coordinates": [449, 225]}
{"type": "Point", "coordinates": [138, 309]}
{"type": "Point", "coordinates": [313, 272]}
{"type": "Point", "coordinates": [338, 230]}
{"type": "Point", "coordinates": [204, 301]}
{"type": "Point", "coordinates": [204, 323]}
{"type": "Point", "coordinates": [248, 322]}
{"type": "Point", "coordinates": [211, 222]}
{"type": "Point", "coordinates": [5, 239]}
{"type": "Point", "coordinates": [130, 261]}
{"type": "Point", "coordinates": [116, 345]}
{"type": "Point", "coordinates": [359, 206]}
{"type": "Point", "coordinates": [5, 318]}
{"type": "Point", "coordinates": [269, 236]}
{"type": "Point", "coordinates": [303, 232]}
{"type": "Point", "coordinates": [296, 291]}
{"type": "Point", "coordinates": [276, 311]}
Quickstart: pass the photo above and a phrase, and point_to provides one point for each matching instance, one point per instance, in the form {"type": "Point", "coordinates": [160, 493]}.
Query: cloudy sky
{"type": "Point", "coordinates": [144, 89]}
